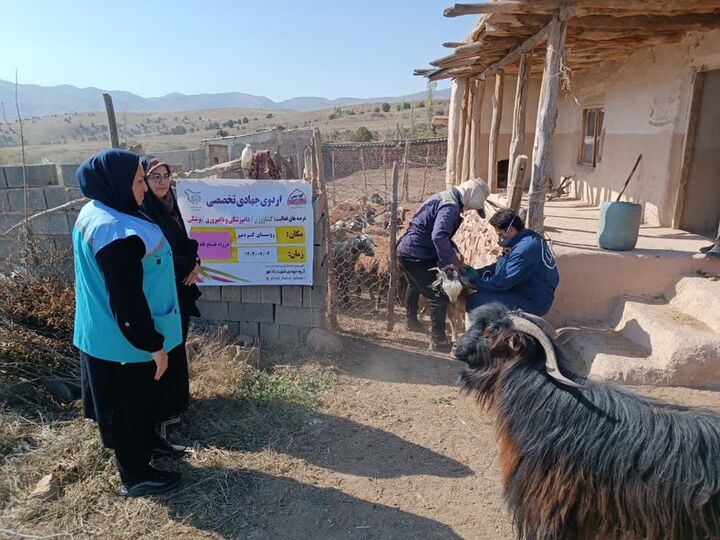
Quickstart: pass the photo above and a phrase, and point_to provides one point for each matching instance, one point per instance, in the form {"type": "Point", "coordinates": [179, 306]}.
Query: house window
{"type": "Point", "coordinates": [592, 128]}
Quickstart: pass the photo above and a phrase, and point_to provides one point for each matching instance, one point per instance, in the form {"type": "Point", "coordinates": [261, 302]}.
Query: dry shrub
{"type": "Point", "coordinates": [38, 364]}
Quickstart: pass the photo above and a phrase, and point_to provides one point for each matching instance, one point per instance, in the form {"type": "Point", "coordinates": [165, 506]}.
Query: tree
{"type": "Point", "coordinates": [421, 105]}
{"type": "Point", "coordinates": [406, 105]}
{"type": "Point", "coordinates": [385, 107]}
{"type": "Point", "coordinates": [269, 115]}
{"type": "Point", "coordinates": [245, 120]}
{"type": "Point", "coordinates": [362, 134]}
{"type": "Point", "coordinates": [222, 133]}
{"type": "Point", "coordinates": [179, 130]}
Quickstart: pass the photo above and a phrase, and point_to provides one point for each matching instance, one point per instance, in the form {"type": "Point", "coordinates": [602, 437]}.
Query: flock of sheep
{"type": "Point", "coordinates": [360, 240]}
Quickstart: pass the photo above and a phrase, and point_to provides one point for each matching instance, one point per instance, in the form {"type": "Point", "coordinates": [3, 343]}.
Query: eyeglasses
{"type": "Point", "coordinates": [159, 178]}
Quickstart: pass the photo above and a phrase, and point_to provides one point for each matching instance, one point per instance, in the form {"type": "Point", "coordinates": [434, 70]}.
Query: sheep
{"type": "Point", "coordinates": [344, 256]}
{"type": "Point", "coordinates": [586, 459]}
{"type": "Point", "coordinates": [455, 287]}
{"type": "Point", "coordinates": [374, 272]}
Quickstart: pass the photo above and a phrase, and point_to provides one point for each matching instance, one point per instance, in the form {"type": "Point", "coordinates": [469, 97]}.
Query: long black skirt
{"type": "Point", "coordinates": [121, 398]}
{"type": "Point", "coordinates": [174, 385]}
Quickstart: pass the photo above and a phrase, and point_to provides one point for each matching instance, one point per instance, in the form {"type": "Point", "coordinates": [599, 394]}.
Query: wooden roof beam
{"type": "Point", "coordinates": [517, 52]}
{"type": "Point", "coordinates": [655, 23]}
{"type": "Point", "coordinates": [502, 6]}
{"type": "Point", "coordinates": [612, 8]}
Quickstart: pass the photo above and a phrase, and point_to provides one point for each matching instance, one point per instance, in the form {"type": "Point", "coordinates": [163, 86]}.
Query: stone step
{"type": "Point", "coordinates": [697, 295]}
{"type": "Point", "coordinates": [682, 346]}
{"type": "Point", "coordinates": [601, 353]}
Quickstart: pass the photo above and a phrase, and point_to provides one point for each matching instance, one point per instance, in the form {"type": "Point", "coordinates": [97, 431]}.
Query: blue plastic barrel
{"type": "Point", "coordinates": [619, 225]}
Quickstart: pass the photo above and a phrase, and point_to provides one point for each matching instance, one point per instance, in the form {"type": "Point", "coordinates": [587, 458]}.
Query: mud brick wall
{"type": "Point", "coordinates": [275, 313]}
{"type": "Point", "coordinates": [381, 154]}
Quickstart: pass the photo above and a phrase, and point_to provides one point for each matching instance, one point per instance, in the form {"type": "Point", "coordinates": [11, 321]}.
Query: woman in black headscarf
{"type": "Point", "coordinates": [160, 204]}
{"type": "Point", "coordinates": [126, 315]}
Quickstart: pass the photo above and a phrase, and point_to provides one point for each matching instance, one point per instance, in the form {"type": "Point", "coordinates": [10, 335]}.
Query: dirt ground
{"type": "Point", "coordinates": [393, 451]}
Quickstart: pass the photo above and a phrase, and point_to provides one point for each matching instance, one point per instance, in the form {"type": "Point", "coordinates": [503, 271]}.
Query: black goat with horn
{"type": "Point", "coordinates": [584, 459]}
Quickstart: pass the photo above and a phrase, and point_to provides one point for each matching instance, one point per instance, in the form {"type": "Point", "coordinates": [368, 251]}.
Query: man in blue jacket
{"type": "Point", "coordinates": [524, 277]}
{"type": "Point", "coordinates": [427, 243]}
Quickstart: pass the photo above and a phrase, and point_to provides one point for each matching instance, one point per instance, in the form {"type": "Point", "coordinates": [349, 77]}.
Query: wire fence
{"type": "Point", "coordinates": [360, 192]}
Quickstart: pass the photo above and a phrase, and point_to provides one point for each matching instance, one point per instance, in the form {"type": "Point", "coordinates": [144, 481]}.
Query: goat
{"type": "Point", "coordinates": [455, 287]}
{"type": "Point", "coordinates": [344, 257]}
{"type": "Point", "coordinates": [585, 459]}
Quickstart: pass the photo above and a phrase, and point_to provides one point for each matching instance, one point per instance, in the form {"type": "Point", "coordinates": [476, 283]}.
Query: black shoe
{"type": "Point", "coordinates": [413, 325]}
{"type": "Point", "coordinates": [164, 449]}
{"type": "Point", "coordinates": [154, 482]}
{"type": "Point", "coordinates": [706, 248]}
{"type": "Point", "coordinates": [441, 346]}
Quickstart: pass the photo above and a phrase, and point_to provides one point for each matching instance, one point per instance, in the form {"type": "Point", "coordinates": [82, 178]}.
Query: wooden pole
{"type": "Point", "coordinates": [545, 128]}
{"type": "Point", "coordinates": [475, 125]}
{"type": "Point", "coordinates": [517, 181]}
{"type": "Point", "coordinates": [362, 166]}
{"type": "Point", "coordinates": [425, 173]}
{"type": "Point", "coordinates": [455, 111]}
{"type": "Point", "coordinates": [406, 172]}
{"type": "Point", "coordinates": [333, 178]}
{"type": "Point", "coordinates": [385, 168]}
{"type": "Point", "coordinates": [393, 255]}
{"type": "Point", "coordinates": [112, 123]}
{"type": "Point", "coordinates": [497, 103]}
{"type": "Point", "coordinates": [322, 188]}
{"type": "Point", "coordinates": [467, 131]}
{"type": "Point", "coordinates": [518, 129]}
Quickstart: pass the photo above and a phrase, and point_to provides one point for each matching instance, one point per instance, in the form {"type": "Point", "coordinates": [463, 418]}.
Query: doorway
{"type": "Point", "coordinates": [701, 200]}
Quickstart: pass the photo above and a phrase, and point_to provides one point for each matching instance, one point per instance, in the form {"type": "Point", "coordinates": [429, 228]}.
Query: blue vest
{"type": "Point", "coordinates": [96, 329]}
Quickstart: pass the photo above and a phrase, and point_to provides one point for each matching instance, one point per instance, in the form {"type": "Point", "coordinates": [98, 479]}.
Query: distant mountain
{"type": "Point", "coordinates": [38, 100]}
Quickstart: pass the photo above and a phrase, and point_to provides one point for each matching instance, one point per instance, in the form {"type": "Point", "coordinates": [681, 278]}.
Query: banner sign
{"type": "Point", "coordinates": [250, 232]}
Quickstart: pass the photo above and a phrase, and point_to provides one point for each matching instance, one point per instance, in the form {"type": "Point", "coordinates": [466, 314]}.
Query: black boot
{"type": "Point", "coordinates": [413, 325]}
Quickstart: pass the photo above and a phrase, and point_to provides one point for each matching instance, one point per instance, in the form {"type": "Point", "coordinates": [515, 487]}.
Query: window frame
{"type": "Point", "coordinates": [593, 139]}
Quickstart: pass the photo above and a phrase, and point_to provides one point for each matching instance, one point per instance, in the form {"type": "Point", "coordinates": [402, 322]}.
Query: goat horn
{"type": "Point", "coordinates": [541, 323]}
{"type": "Point", "coordinates": [551, 365]}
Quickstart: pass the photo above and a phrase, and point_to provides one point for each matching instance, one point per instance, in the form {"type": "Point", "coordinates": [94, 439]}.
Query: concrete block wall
{"type": "Point", "coordinates": [275, 313]}
{"type": "Point", "coordinates": [48, 186]}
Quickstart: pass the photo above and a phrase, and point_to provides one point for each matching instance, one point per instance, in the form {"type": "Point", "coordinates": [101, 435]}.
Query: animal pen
{"type": "Point", "coordinates": [373, 190]}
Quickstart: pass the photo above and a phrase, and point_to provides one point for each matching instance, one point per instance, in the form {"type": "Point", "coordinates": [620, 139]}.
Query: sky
{"type": "Point", "coordinates": [275, 48]}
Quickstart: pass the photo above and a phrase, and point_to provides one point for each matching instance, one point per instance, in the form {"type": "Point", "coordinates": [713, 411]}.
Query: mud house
{"type": "Point", "coordinates": [583, 87]}
{"type": "Point", "coordinates": [543, 89]}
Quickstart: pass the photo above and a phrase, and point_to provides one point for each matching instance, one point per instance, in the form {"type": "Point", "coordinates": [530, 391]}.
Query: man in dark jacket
{"type": "Point", "coordinates": [524, 277]}
{"type": "Point", "coordinates": [427, 243]}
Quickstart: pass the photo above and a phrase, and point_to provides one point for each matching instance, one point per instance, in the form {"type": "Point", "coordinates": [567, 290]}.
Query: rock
{"type": "Point", "coordinates": [47, 488]}
{"type": "Point", "coordinates": [321, 341]}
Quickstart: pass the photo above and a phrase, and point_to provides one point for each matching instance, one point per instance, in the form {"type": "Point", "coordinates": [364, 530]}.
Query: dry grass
{"type": "Point", "coordinates": [240, 416]}
{"type": "Point", "coordinates": [56, 138]}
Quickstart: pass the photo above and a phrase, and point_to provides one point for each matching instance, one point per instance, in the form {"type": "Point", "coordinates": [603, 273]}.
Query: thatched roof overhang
{"type": "Point", "coordinates": [597, 31]}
